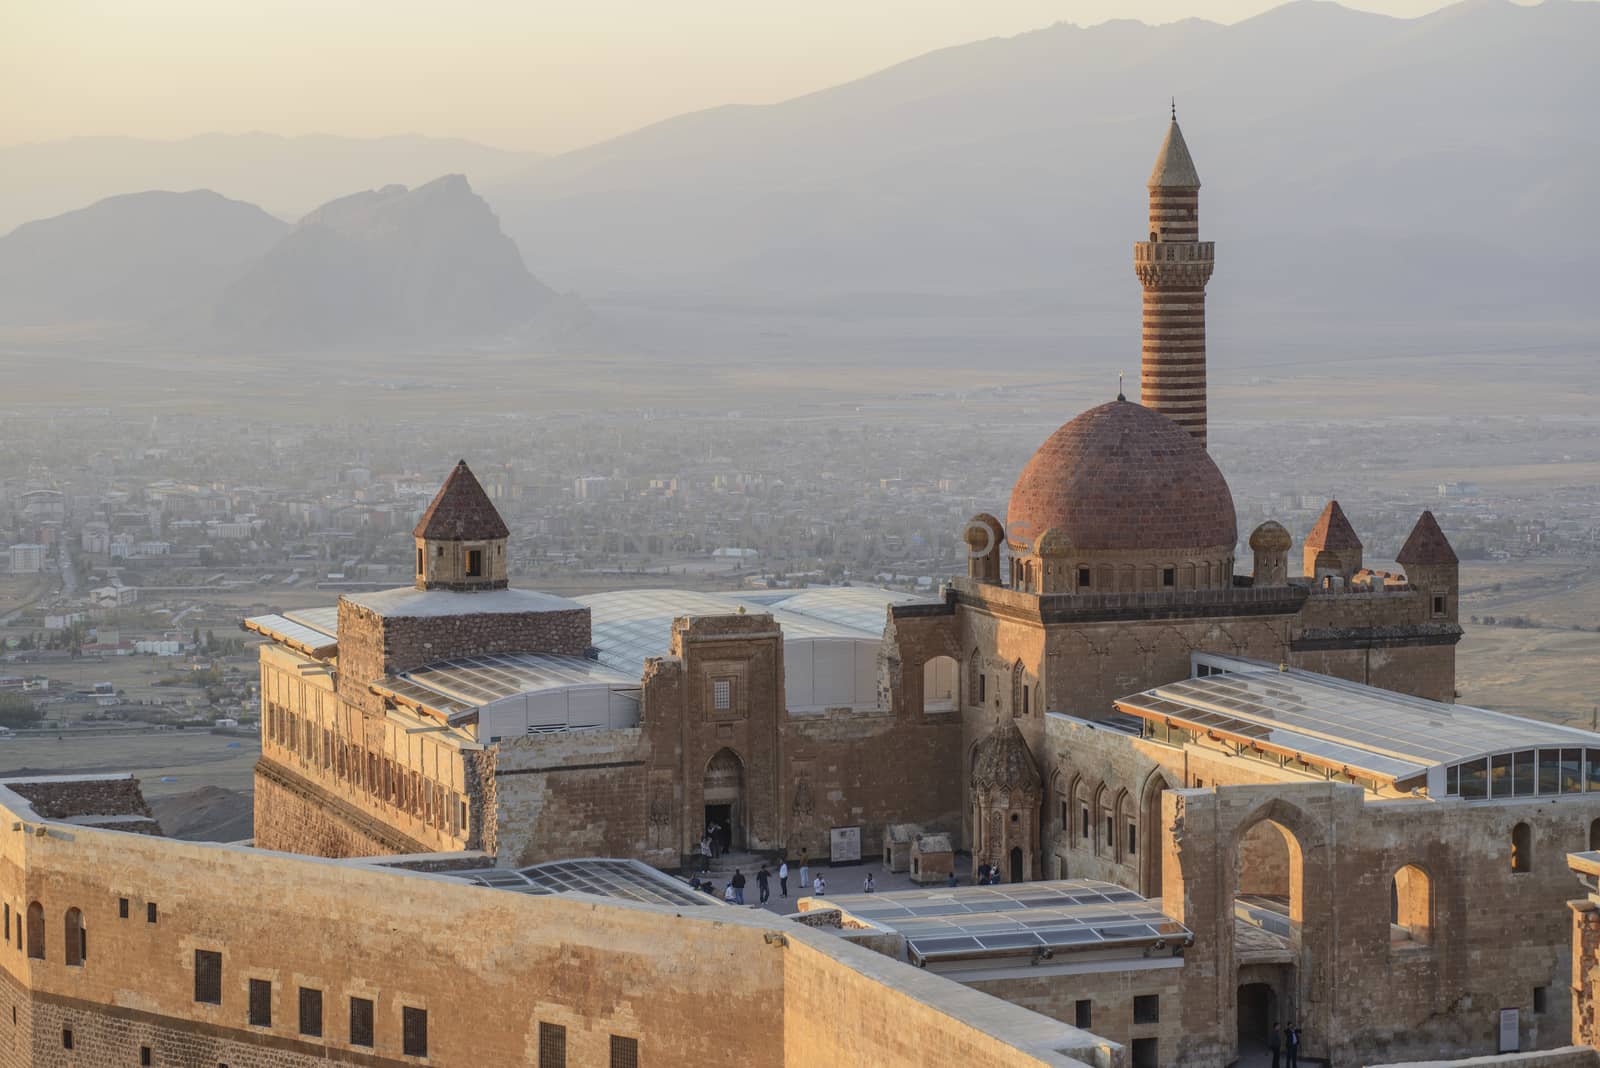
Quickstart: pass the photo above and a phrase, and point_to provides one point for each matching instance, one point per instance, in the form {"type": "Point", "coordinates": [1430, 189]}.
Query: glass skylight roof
{"type": "Point", "coordinates": [1342, 723]}
{"type": "Point", "coordinates": [631, 625]}
{"type": "Point", "coordinates": [474, 681]}
{"type": "Point", "coordinates": [297, 636]}
{"type": "Point", "coordinates": [975, 921]}
{"type": "Point", "coordinates": [325, 619]}
{"type": "Point", "coordinates": [626, 880]}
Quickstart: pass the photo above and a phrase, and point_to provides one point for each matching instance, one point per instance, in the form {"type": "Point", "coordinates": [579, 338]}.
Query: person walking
{"type": "Point", "coordinates": [762, 878]}
{"type": "Point", "coordinates": [869, 886]}
{"type": "Point", "coordinates": [1291, 1043]}
{"type": "Point", "coordinates": [705, 855]}
{"type": "Point", "coordinates": [820, 886]}
{"type": "Point", "coordinates": [1275, 1042]}
{"type": "Point", "coordinates": [783, 879]}
{"type": "Point", "coordinates": [738, 886]}
{"type": "Point", "coordinates": [805, 871]}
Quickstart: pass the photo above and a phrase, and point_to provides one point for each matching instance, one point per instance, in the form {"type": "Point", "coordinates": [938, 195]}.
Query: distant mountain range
{"type": "Point", "coordinates": [287, 176]}
{"type": "Point", "coordinates": [419, 266]}
{"type": "Point", "coordinates": [1366, 178]}
{"type": "Point", "coordinates": [1357, 169]}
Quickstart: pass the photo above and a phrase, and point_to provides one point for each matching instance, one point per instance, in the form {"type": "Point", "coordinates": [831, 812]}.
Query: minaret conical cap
{"type": "Point", "coordinates": [1174, 167]}
{"type": "Point", "coordinates": [461, 511]}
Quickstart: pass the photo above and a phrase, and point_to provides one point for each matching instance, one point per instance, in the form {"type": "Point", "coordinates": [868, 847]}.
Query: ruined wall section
{"type": "Point", "coordinates": [574, 795]}
{"type": "Point", "coordinates": [113, 801]}
{"type": "Point", "coordinates": [1361, 994]}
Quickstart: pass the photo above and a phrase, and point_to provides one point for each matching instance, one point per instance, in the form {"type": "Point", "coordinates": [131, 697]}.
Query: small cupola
{"type": "Point", "coordinates": [461, 539]}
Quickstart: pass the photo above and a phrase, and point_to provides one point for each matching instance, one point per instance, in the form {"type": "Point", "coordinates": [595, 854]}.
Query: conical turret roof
{"type": "Point", "coordinates": [1332, 530]}
{"type": "Point", "coordinates": [1174, 167]}
{"type": "Point", "coordinates": [1427, 544]}
{"type": "Point", "coordinates": [461, 511]}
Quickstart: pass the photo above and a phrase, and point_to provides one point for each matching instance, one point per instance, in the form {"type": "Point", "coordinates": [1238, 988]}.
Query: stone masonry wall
{"type": "Point", "coordinates": [292, 816]}
{"type": "Point", "coordinates": [64, 797]}
{"type": "Point", "coordinates": [487, 966]}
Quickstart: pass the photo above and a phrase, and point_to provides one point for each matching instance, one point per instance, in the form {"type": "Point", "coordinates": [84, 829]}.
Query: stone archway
{"type": "Point", "coordinates": [724, 797]}
{"type": "Point", "coordinates": [1152, 839]}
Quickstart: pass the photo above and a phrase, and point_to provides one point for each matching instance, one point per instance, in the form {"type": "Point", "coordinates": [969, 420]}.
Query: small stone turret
{"type": "Point", "coordinates": [1431, 566]}
{"type": "Point", "coordinates": [1269, 543]}
{"type": "Point", "coordinates": [461, 539]}
{"type": "Point", "coordinates": [984, 536]}
{"type": "Point", "coordinates": [1332, 546]}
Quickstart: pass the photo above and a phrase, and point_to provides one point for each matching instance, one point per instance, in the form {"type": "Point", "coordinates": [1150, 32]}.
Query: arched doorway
{"type": "Point", "coordinates": [941, 677]}
{"type": "Point", "coordinates": [1016, 864]}
{"type": "Point", "coordinates": [1257, 1013]}
{"type": "Point", "coordinates": [724, 799]}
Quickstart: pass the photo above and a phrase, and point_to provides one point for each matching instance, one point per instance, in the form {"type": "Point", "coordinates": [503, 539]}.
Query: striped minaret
{"type": "Point", "coordinates": [1174, 266]}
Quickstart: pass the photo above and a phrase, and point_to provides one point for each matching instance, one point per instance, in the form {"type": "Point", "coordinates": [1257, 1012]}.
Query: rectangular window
{"type": "Point", "coordinates": [1593, 762]}
{"type": "Point", "coordinates": [1146, 1053]}
{"type": "Point", "coordinates": [624, 1052]}
{"type": "Point", "coordinates": [150, 912]}
{"type": "Point", "coordinates": [1571, 771]}
{"type": "Point", "coordinates": [419, 561]}
{"type": "Point", "coordinates": [1540, 1000]}
{"type": "Point", "coordinates": [474, 563]}
{"type": "Point", "coordinates": [1083, 1014]}
{"type": "Point", "coordinates": [721, 694]}
{"type": "Point", "coordinates": [1146, 1008]}
{"type": "Point", "coordinates": [1438, 605]}
{"type": "Point", "coordinates": [414, 1031]}
{"type": "Point", "coordinates": [360, 1022]}
{"type": "Point", "coordinates": [1133, 839]}
{"type": "Point", "coordinates": [144, 1056]}
{"type": "Point", "coordinates": [1110, 840]}
{"type": "Point", "coordinates": [552, 1046]}
{"type": "Point", "coordinates": [1065, 826]}
{"type": "Point", "coordinates": [208, 976]}
{"type": "Point", "coordinates": [1524, 782]}
{"type": "Point", "coordinates": [310, 1012]}
{"type": "Point", "coordinates": [1500, 775]}
{"type": "Point", "coordinates": [1549, 771]}
{"type": "Point", "coordinates": [1169, 576]}
{"type": "Point", "coordinates": [1452, 780]}
{"type": "Point", "coordinates": [1083, 812]}
{"type": "Point", "coordinates": [1083, 578]}
{"type": "Point", "coordinates": [260, 1003]}
{"type": "Point", "coordinates": [122, 907]}
{"type": "Point", "coordinates": [1475, 780]}
{"type": "Point", "coordinates": [983, 687]}
{"type": "Point", "coordinates": [66, 1038]}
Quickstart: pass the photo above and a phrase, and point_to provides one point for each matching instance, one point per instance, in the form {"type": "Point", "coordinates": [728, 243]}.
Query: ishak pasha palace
{"type": "Point", "coordinates": [1212, 799]}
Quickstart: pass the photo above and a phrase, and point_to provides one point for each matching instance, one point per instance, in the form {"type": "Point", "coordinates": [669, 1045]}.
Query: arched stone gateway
{"type": "Point", "coordinates": [724, 798]}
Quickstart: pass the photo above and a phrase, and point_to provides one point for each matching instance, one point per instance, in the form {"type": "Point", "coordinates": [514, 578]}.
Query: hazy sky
{"type": "Point", "coordinates": [538, 74]}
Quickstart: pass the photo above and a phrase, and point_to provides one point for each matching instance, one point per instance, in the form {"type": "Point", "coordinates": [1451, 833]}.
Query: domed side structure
{"type": "Point", "coordinates": [1269, 543]}
{"type": "Point", "coordinates": [984, 536]}
{"type": "Point", "coordinates": [1006, 790]}
{"type": "Point", "coordinates": [1138, 500]}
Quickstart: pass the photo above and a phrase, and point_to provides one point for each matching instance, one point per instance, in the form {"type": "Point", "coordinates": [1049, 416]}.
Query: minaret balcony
{"type": "Point", "coordinates": [1174, 252]}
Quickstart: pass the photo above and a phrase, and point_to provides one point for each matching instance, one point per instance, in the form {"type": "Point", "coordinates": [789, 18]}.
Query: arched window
{"type": "Point", "coordinates": [76, 942]}
{"type": "Point", "coordinates": [1019, 691]}
{"type": "Point", "coordinates": [1082, 832]}
{"type": "Point", "coordinates": [1105, 832]}
{"type": "Point", "coordinates": [1410, 907]}
{"type": "Point", "coordinates": [36, 931]}
{"type": "Point", "coordinates": [1521, 848]}
{"type": "Point", "coordinates": [1123, 828]}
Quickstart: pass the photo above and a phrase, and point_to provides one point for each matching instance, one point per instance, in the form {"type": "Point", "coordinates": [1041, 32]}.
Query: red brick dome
{"type": "Point", "coordinates": [1122, 477]}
